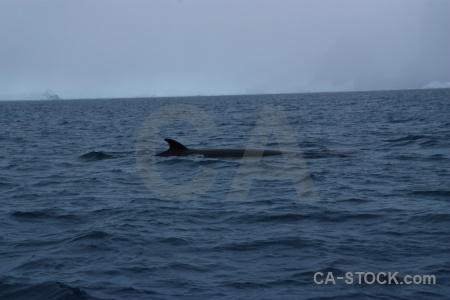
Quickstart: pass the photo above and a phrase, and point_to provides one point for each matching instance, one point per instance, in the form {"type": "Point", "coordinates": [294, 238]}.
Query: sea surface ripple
{"type": "Point", "coordinates": [78, 222]}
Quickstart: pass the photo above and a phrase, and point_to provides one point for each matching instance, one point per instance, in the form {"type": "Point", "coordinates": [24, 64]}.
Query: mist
{"type": "Point", "coordinates": [94, 49]}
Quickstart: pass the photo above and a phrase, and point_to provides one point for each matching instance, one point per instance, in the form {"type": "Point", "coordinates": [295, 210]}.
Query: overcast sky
{"type": "Point", "coordinates": [114, 48]}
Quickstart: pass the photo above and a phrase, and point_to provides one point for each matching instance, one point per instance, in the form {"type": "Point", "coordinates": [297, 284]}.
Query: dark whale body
{"type": "Point", "coordinates": [178, 149]}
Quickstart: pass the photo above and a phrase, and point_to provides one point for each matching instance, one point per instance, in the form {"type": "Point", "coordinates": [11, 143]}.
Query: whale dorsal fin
{"type": "Point", "coordinates": [174, 145]}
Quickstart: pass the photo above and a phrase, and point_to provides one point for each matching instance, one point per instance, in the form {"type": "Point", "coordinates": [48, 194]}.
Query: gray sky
{"type": "Point", "coordinates": [93, 48]}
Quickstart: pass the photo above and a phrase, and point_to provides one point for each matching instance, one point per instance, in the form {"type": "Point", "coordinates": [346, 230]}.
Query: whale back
{"type": "Point", "coordinates": [178, 149]}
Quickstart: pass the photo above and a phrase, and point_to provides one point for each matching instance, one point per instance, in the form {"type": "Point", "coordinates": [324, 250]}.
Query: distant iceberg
{"type": "Point", "coordinates": [49, 95]}
{"type": "Point", "coordinates": [437, 85]}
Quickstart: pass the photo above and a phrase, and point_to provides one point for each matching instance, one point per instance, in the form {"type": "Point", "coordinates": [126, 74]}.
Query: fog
{"type": "Point", "coordinates": [92, 48]}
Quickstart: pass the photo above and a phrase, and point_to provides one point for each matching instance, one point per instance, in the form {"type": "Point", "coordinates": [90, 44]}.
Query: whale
{"type": "Point", "coordinates": [178, 149]}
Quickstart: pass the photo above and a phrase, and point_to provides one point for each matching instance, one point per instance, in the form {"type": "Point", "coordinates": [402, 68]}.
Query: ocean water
{"type": "Point", "coordinates": [79, 218]}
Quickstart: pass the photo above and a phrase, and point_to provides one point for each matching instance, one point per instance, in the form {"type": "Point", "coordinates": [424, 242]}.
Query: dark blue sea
{"type": "Point", "coordinates": [88, 212]}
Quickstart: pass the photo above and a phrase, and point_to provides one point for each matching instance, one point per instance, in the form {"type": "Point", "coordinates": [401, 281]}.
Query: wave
{"type": "Point", "coordinates": [437, 157]}
{"type": "Point", "coordinates": [96, 155]}
{"type": "Point", "coordinates": [46, 291]}
{"type": "Point", "coordinates": [43, 214]}
{"type": "Point", "coordinates": [6, 184]}
{"type": "Point", "coordinates": [259, 244]}
{"type": "Point", "coordinates": [92, 235]}
{"type": "Point", "coordinates": [329, 216]}
{"type": "Point", "coordinates": [407, 138]}
{"type": "Point", "coordinates": [422, 141]}
{"type": "Point", "coordinates": [432, 193]}
{"type": "Point", "coordinates": [432, 218]}
{"type": "Point", "coordinates": [326, 154]}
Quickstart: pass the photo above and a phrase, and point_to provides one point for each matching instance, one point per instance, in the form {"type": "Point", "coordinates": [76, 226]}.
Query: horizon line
{"type": "Point", "coordinates": [230, 95]}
